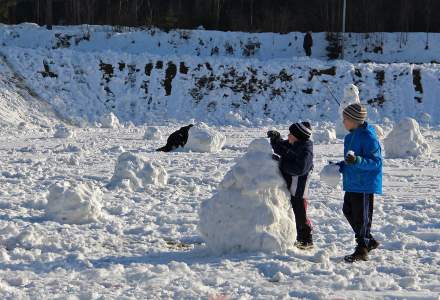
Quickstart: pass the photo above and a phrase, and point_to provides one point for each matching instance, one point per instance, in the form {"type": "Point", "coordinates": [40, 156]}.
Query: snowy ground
{"type": "Point", "coordinates": [148, 246]}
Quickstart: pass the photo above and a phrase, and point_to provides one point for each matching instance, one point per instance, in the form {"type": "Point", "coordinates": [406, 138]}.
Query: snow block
{"type": "Point", "coordinates": [63, 132]}
{"type": "Point", "coordinates": [204, 139]}
{"type": "Point", "coordinates": [406, 141]}
{"type": "Point", "coordinates": [330, 175]}
{"type": "Point", "coordinates": [109, 121]}
{"type": "Point", "coordinates": [324, 135]}
{"type": "Point", "coordinates": [250, 210]}
{"type": "Point", "coordinates": [133, 172]}
{"type": "Point", "coordinates": [152, 133]}
{"type": "Point", "coordinates": [351, 95]}
{"type": "Point", "coordinates": [379, 131]}
{"type": "Point", "coordinates": [74, 203]}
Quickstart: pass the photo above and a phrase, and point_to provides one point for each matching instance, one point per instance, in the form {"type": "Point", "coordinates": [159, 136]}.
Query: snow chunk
{"type": "Point", "coordinates": [204, 139]}
{"type": "Point", "coordinates": [63, 132]}
{"type": "Point", "coordinates": [379, 131]}
{"type": "Point", "coordinates": [330, 175]}
{"type": "Point", "coordinates": [133, 172]}
{"type": "Point", "coordinates": [406, 140]}
{"type": "Point", "coordinates": [351, 95]}
{"type": "Point", "coordinates": [152, 133]}
{"type": "Point", "coordinates": [110, 121]}
{"type": "Point", "coordinates": [324, 135]}
{"type": "Point", "coordinates": [251, 209]}
{"type": "Point", "coordinates": [74, 203]}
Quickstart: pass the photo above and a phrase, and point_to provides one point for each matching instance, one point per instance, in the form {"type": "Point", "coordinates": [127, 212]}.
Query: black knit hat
{"type": "Point", "coordinates": [356, 112]}
{"type": "Point", "coordinates": [302, 130]}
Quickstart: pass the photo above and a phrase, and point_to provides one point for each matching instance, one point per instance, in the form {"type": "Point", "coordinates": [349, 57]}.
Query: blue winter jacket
{"type": "Point", "coordinates": [366, 175]}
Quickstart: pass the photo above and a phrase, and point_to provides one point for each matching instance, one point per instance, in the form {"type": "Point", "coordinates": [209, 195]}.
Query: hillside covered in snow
{"type": "Point", "coordinates": [219, 77]}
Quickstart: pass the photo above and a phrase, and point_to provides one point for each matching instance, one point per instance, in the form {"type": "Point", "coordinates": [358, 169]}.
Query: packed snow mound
{"type": "Point", "coordinates": [406, 141]}
{"type": "Point", "coordinates": [250, 210]}
{"type": "Point", "coordinates": [324, 135]}
{"type": "Point", "coordinates": [74, 203]}
{"type": "Point", "coordinates": [330, 175]}
{"type": "Point", "coordinates": [133, 172]}
{"type": "Point", "coordinates": [204, 139]}
{"type": "Point", "coordinates": [63, 132]}
{"type": "Point", "coordinates": [351, 95]}
{"type": "Point", "coordinates": [152, 133]}
{"type": "Point", "coordinates": [109, 121]}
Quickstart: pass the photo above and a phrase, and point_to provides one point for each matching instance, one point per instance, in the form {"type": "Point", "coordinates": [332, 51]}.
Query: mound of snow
{"type": "Point", "coordinates": [152, 133]}
{"type": "Point", "coordinates": [204, 139]}
{"type": "Point", "coordinates": [251, 209]}
{"type": "Point", "coordinates": [63, 132]}
{"type": "Point", "coordinates": [406, 140]}
{"type": "Point", "coordinates": [109, 121]}
{"type": "Point", "coordinates": [133, 172]}
{"type": "Point", "coordinates": [330, 175]}
{"type": "Point", "coordinates": [379, 131]}
{"type": "Point", "coordinates": [351, 95]}
{"type": "Point", "coordinates": [74, 203]}
{"type": "Point", "coordinates": [324, 135]}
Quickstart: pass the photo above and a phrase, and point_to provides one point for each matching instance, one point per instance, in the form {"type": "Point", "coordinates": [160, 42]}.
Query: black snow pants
{"type": "Point", "coordinates": [358, 209]}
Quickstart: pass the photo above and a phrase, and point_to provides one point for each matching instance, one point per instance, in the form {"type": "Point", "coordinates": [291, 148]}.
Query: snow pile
{"type": "Point", "coordinates": [330, 175]}
{"type": "Point", "coordinates": [406, 140]}
{"type": "Point", "coordinates": [379, 131]}
{"type": "Point", "coordinates": [133, 172]}
{"type": "Point", "coordinates": [251, 209]}
{"type": "Point", "coordinates": [204, 139]}
{"type": "Point", "coordinates": [324, 135]}
{"type": "Point", "coordinates": [109, 121]}
{"type": "Point", "coordinates": [351, 95]}
{"type": "Point", "coordinates": [152, 133]}
{"type": "Point", "coordinates": [74, 203]}
{"type": "Point", "coordinates": [63, 132]}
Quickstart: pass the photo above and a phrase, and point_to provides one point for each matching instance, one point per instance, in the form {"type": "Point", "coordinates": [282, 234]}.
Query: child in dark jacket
{"type": "Point", "coordinates": [362, 178]}
{"type": "Point", "coordinates": [295, 157]}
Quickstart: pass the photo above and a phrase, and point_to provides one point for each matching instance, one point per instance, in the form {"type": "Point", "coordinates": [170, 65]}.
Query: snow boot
{"type": "Point", "coordinates": [360, 253]}
{"type": "Point", "coordinates": [373, 244]}
{"type": "Point", "coordinates": [303, 245]}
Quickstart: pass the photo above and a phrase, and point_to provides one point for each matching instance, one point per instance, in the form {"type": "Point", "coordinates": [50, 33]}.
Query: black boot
{"type": "Point", "coordinates": [360, 253]}
{"type": "Point", "coordinates": [304, 245]}
{"type": "Point", "coordinates": [373, 244]}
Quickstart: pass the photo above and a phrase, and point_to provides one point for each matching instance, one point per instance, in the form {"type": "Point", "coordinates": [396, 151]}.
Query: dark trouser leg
{"type": "Point", "coordinates": [358, 209]}
{"type": "Point", "coordinates": [303, 224]}
{"type": "Point", "coordinates": [308, 51]}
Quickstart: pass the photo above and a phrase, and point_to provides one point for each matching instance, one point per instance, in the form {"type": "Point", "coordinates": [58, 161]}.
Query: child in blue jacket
{"type": "Point", "coordinates": [362, 178]}
{"type": "Point", "coordinates": [295, 157]}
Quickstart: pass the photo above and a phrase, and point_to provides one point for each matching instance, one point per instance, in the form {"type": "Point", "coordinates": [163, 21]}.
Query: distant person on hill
{"type": "Point", "coordinates": [308, 43]}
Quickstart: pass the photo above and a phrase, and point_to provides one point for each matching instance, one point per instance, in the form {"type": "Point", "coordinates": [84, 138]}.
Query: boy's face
{"type": "Point", "coordinates": [349, 124]}
{"type": "Point", "coordinates": [291, 138]}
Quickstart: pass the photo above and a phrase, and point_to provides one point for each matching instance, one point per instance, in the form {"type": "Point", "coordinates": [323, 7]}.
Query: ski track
{"type": "Point", "coordinates": [149, 246]}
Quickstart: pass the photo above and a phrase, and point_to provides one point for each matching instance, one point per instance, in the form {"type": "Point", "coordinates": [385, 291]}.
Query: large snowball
{"type": "Point", "coordinates": [330, 175]}
{"type": "Point", "coordinates": [406, 140]}
{"type": "Point", "coordinates": [204, 139]}
{"type": "Point", "coordinates": [109, 121]}
{"type": "Point", "coordinates": [74, 203]}
{"type": "Point", "coordinates": [250, 210]}
{"type": "Point", "coordinates": [133, 172]}
{"type": "Point", "coordinates": [152, 133]}
{"type": "Point", "coordinates": [63, 132]}
{"type": "Point", "coordinates": [324, 135]}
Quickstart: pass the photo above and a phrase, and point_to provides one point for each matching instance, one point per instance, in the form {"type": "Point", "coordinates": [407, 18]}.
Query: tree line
{"type": "Point", "coordinates": [232, 15]}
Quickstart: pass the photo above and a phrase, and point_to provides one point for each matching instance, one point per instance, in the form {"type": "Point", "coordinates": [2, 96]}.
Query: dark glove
{"type": "Point", "coordinates": [276, 157]}
{"type": "Point", "coordinates": [352, 159]}
{"type": "Point", "coordinates": [273, 134]}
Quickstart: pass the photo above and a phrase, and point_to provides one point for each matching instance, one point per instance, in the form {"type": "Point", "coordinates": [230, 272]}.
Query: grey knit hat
{"type": "Point", "coordinates": [356, 112]}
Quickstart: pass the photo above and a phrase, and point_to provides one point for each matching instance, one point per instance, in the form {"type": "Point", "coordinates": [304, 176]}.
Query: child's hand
{"type": "Point", "coordinates": [276, 157]}
{"type": "Point", "coordinates": [352, 159]}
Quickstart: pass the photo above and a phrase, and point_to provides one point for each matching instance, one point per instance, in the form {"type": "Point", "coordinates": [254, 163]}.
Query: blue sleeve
{"type": "Point", "coordinates": [372, 158]}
